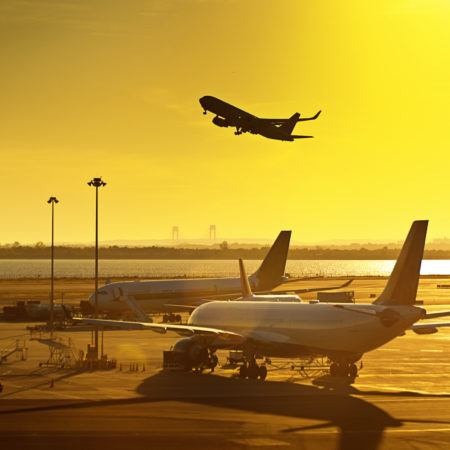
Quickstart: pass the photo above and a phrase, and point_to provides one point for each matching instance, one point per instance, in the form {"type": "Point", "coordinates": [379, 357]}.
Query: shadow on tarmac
{"type": "Point", "coordinates": [360, 423]}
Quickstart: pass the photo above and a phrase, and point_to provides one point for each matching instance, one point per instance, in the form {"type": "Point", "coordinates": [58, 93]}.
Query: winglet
{"type": "Point", "coordinates": [310, 118]}
{"type": "Point", "coordinates": [401, 288]}
{"type": "Point", "coordinates": [245, 285]}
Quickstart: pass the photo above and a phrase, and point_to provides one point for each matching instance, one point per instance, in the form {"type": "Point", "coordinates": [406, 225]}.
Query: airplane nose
{"type": "Point", "coordinates": [203, 101]}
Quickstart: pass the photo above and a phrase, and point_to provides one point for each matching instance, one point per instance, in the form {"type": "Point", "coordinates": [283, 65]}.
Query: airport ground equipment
{"type": "Point", "coordinates": [33, 310]}
{"type": "Point", "coordinates": [16, 348]}
{"type": "Point", "coordinates": [139, 313]}
{"type": "Point", "coordinates": [63, 353]}
{"type": "Point", "coordinates": [336, 296]}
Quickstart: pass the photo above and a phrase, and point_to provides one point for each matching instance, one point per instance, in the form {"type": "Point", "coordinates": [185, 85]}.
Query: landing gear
{"type": "Point", "coordinates": [343, 370]}
{"type": "Point", "coordinates": [262, 372]}
{"type": "Point", "coordinates": [213, 361]}
{"type": "Point", "coordinates": [204, 112]}
{"type": "Point", "coordinates": [352, 371]}
{"type": "Point", "coordinates": [168, 318]}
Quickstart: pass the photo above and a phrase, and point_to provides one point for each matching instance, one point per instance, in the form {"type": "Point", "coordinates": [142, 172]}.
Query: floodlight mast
{"type": "Point", "coordinates": [52, 201]}
{"type": "Point", "coordinates": [96, 182]}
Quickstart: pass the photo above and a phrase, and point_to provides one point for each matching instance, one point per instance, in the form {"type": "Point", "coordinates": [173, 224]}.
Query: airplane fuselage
{"type": "Point", "coordinates": [301, 329]}
{"type": "Point", "coordinates": [242, 120]}
{"type": "Point", "coordinates": [153, 295]}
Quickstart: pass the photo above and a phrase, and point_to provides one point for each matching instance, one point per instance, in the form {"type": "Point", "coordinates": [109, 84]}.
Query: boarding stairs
{"type": "Point", "coordinates": [139, 313]}
{"type": "Point", "coordinates": [17, 348]}
{"type": "Point", "coordinates": [63, 353]}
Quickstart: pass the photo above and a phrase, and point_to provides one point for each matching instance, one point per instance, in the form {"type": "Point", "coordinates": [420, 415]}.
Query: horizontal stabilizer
{"type": "Point", "coordinates": [436, 314]}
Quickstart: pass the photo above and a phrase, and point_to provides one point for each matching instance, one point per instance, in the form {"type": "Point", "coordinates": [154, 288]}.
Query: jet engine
{"type": "Point", "coordinates": [191, 353]}
{"type": "Point", "coordinates": [220, 122]}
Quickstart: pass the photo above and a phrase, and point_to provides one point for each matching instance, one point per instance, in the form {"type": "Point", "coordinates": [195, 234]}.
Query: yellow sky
{"type": "Point", "coordinates": [110, 88]}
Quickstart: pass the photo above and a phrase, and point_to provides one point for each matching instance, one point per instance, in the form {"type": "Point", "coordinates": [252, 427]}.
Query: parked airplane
{"type": "Point", "coordinates": [341, 332]}
{"type": "Point", "coordinates": [230, 116]}
{"type": "Point", "coordinates": [248, 295]}
{"type": "Point", "coordinates": [141, 297]}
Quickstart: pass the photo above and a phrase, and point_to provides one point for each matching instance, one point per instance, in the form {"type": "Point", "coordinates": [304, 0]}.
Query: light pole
{"type": "Point", "coordinates": [96, 182]}
{"type": "Point", "coordinates": [52, 201]}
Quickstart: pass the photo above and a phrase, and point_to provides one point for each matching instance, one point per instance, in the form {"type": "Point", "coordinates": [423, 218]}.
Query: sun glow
{"type": "Point", "coordinates": [86, 94]}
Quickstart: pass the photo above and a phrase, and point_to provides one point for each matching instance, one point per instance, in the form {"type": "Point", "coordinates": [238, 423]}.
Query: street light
{"type": "Point", "coordinates": [96, 182]}
{"type": "Point", "coordinates": [52, 200]}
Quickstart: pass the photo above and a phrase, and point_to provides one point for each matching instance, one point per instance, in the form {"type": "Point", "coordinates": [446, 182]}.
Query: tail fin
{"type": "Point", "coordinates": [401, 288]}
{"type": "Point", "coordinates": [245, 285]}
{"type": "Point", "coordinates": [272, 269]}
{"type": "Point", "coordinates": [289, 125]}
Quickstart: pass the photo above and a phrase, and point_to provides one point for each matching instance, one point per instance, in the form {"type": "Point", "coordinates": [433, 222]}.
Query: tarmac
{"type": "Point", "coordinates": [401, 399]}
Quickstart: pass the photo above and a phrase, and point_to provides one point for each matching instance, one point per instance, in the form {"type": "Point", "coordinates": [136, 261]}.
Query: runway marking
{"type": "Point", "coordinates": [389, 349]}
{"type": "Point", "coordinates": [417, 430]}
{"type": "Point", "coordinates": [260, 442]}
{"type": "Point", "coordinates": [431, 351]}
{"type": "Point", "coordinates": [401, 389]}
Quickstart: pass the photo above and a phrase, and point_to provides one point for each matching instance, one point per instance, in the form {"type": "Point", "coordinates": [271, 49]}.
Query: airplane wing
{"type": "Point", "coordinates": [304, 291]}
{"type": "Point", "coordinates": [162, 328]}
{"type": "Point", "coordinates": [194, 302]}
{"type": "Point", "coordinates": [428, 328]}
{"type": "Point", "coordinates": [299, 136]}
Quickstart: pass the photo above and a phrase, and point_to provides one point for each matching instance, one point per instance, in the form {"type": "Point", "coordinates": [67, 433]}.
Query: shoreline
{"type": "Point", "coordinates": [188, 277]}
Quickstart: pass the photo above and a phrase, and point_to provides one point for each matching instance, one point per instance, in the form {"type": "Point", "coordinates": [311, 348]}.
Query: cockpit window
{"type": "Point", "coordinates": [103, 292]}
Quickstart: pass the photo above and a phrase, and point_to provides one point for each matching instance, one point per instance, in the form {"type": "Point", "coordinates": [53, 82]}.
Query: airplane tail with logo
{"type": "Point", "coordinates": [401, 288]}
{"type": "Point", "coordinates": [271, 271]}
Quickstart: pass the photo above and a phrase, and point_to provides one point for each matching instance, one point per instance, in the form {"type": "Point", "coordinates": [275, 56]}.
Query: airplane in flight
{"type": "Point", "coordinates": [159, 296]}
{"type": "Point", "coordinates": [229, 116]}
{"type": "Point", "coordinates": [343, 332]}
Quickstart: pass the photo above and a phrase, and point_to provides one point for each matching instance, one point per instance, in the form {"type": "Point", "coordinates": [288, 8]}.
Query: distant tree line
{"type": "Point", "coordinates": [40, 251]}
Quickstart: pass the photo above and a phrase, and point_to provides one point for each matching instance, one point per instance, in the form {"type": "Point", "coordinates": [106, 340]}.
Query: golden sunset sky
{"type": "Point", "coordinates": [110, 88]}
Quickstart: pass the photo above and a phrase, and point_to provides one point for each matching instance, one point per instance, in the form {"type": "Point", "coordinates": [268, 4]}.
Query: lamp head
{"type": "Point", "coordinates": [97, 182]}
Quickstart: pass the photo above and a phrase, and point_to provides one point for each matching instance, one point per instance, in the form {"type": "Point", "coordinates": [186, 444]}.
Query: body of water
{"type": "Point", "coordinates": [83, 268]}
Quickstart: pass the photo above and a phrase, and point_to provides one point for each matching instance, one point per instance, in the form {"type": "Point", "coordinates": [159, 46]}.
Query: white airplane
{"type": "Point", "coordinates": [159, 296]}
{"type": "Point", "coordinates": [249, 296]}
{"type": "Point", "coordinates": [341, 332]}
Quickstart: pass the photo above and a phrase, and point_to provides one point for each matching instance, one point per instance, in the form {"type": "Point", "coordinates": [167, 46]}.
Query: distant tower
{"type": "Point", "coordinates": [212, 232]}
{"type": "Point", "coordinates": [175, 235]}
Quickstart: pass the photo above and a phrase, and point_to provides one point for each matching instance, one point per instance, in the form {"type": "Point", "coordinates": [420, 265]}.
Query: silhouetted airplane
{"type": "Point", "coordinates": [229, 116]}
